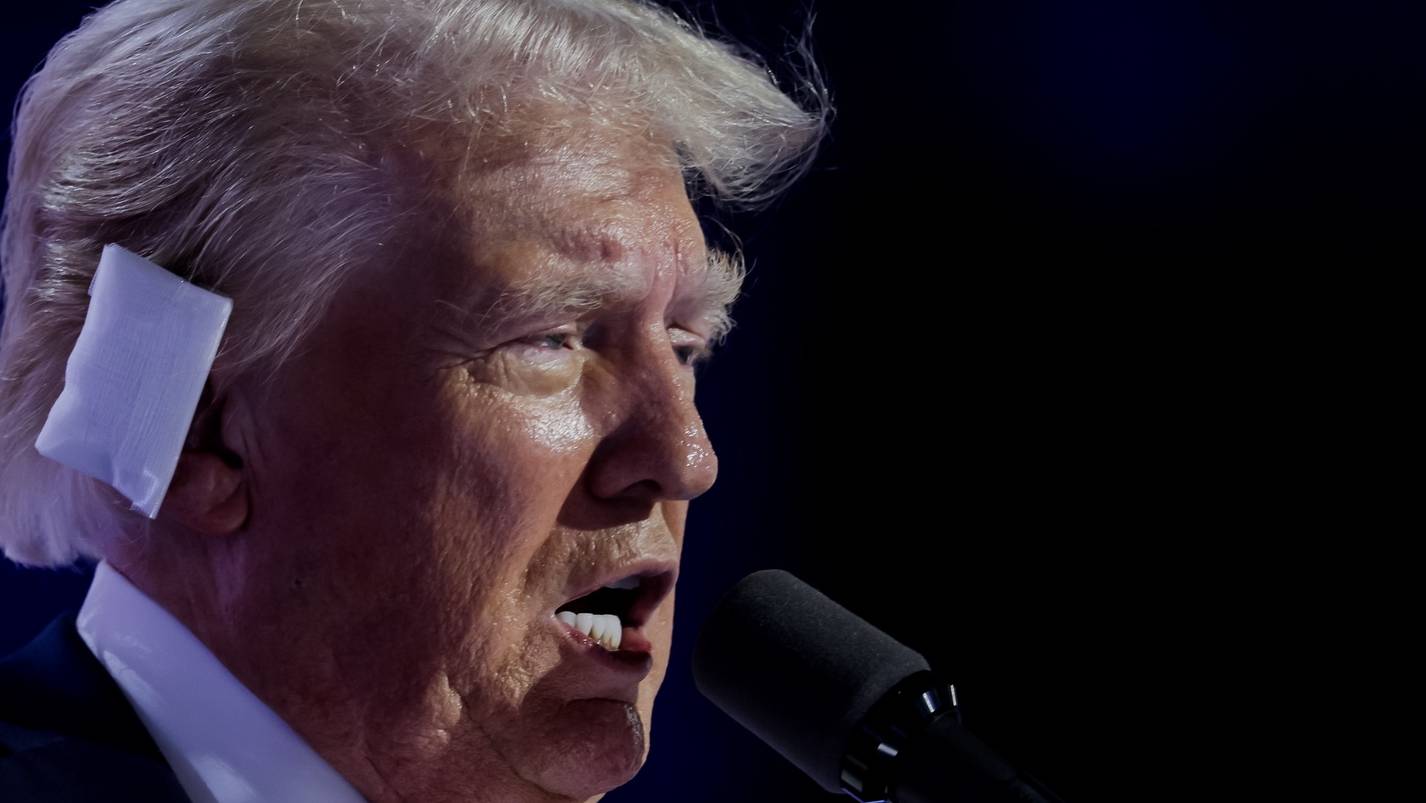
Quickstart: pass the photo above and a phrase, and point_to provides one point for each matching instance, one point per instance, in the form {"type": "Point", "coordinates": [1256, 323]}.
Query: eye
{"type": "Point", "coordinates": [692, 354]}
{"type": "Point", "coordinates": [553, 340]}
{"type": "Point", "coordinates": [546, 346]}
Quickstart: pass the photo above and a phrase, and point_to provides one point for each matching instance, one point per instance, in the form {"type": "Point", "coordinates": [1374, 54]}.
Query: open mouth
{"type": "Point", "coordinates": [614, 612]}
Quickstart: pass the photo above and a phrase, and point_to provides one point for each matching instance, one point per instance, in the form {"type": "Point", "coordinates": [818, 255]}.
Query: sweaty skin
{"type": "Point", "coordinates": [467, 436]}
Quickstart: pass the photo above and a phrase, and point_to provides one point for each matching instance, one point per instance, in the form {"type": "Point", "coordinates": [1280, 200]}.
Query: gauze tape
{"type": "Point", "coordinates": [133, 380]}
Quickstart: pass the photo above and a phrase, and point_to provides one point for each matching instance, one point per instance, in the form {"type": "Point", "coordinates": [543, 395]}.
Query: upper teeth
{"type": "Point", "coordinates": [604, 628]}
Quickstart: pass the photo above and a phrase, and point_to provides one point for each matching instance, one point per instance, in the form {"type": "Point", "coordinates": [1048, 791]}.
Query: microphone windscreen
{"type": "Point", "coordinates": [797, 669]}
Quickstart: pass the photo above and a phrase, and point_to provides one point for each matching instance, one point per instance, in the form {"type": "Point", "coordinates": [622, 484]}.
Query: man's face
{"type": "Point", "coordinates": [475, 436]}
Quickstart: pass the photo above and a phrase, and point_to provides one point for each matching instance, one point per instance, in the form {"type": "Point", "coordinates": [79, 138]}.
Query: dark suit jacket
{"type": "Point", "coordinates": [67, 733]}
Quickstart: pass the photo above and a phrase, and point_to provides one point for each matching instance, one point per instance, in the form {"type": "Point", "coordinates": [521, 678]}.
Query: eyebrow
{"type": "Point", "coordinates": [711, 300]}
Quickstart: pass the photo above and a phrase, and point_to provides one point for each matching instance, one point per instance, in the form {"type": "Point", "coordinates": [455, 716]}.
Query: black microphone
{"type": "Point", "coordinates": [858, 711]}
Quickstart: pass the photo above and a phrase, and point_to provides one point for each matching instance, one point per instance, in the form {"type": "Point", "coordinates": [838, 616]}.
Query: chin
{"type": "Point", "coordinates": [595, 746]}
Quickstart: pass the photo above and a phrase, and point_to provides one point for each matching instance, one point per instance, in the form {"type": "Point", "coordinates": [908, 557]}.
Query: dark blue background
{"type": "Point", "coordinates": [1004, 380]}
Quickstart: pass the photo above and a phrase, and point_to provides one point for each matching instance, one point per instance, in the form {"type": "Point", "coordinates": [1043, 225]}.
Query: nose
{"type": "Point", "coordinates": [656, 448]}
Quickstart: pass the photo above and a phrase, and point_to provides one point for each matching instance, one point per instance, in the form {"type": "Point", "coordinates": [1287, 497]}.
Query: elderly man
{"type": "Point", "coordinates": [421, 539]}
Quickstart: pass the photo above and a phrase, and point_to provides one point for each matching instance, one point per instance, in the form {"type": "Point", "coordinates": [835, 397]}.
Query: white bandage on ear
{"type": "Point", "coordinates": [134, 378]}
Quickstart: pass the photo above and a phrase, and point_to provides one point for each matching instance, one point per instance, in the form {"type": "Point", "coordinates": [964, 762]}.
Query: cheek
{"type": "Point", "coordinates": [675, 515]}
{"type": "Point", "coordinates": [505, 454]}
{"type": "Point", "coordinates": [558, 431]}
{"type": "Point", "coordinates": [499, 471]}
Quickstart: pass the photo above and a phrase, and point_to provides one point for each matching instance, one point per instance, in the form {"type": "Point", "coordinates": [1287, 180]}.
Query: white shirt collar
{"type": "Point", "coordinates": [223, 743]}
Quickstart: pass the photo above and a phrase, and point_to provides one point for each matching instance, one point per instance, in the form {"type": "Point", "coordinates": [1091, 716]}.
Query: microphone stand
{"type": "Point", "coordinates": [912, 748]}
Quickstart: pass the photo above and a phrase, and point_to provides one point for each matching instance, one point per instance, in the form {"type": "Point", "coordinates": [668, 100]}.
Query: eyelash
{"type": "Point", "coordinates": [690, 356]}
{"type": "Point", "coordinates": [541, 339]}
{"type": "Point", "coordinates": [697, 356]}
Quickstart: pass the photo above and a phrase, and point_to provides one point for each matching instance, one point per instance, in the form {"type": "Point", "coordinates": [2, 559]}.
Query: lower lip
{"type": "Point", "coordinates": [627, 662]}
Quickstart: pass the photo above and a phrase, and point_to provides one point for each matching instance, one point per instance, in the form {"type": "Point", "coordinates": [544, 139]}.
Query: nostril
{"type": "Point", "coordinates": [645, 491]}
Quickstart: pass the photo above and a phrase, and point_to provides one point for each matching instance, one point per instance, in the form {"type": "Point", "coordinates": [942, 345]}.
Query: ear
{"type": "Point", "coordinates": [209, 491]}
